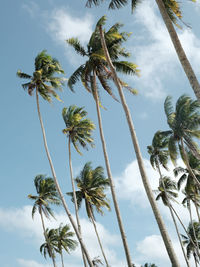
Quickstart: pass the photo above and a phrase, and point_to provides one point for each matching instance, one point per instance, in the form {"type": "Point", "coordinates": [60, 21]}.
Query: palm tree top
{"type": "Point", "coordinates": [96, 60]}
{"type": "Point", "coordinates": [78, 128]}
{"type": "Point", "coordinates": [43, 78]}
{"type": "Point", "coordinates": [46, 195]}
{"type": "Point", "coordinates": [172, 7]}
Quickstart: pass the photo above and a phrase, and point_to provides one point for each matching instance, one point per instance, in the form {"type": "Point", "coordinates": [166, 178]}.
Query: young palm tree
{"type": "Point", "coordinates": [78, 131]}
{"type": "Point", "coordinates": [191, 249]}
{"type": "Point", "coordinates": [91, 184]}
{"type": "Point", "coordinates": [171, 13]}
{"type": "Point", "coordinates": [47, 194]}
{"type": "Point", "coordinates": [44, 83]}
{"type": "Point", "coordinates": [95, 68]}
{"type": "Point", "coordinates": [160, 222]}
{"type": "Point", "coordinates": [184, 123]}
{"type": "Point", "coordinates": [48, 248]}
{"type": "Point", "coordinates": [64, 240]}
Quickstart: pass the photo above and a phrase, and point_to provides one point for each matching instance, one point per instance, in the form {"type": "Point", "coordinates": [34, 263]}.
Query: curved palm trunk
{"type": "Point", "coordinates": [179, 50]}
{"type": "Point", "coordinates": [57, 185]}
{"type": "Point", "coordinates": [112, 186]}
{"type": "Point", "coordinates": [46, 238]}
{"type": "Point", "coordinates": [160, 222]}
{"type": "Point", "coordinates": [75, 200]}
{"type": "Point", "coordinates": [188, 164]}
{"type": "Point", "coordinates": [61, 255]}
{"type": "Point", "coordinates": [95, 228]}
{"type": "Point", "coordinates": [172, 215]}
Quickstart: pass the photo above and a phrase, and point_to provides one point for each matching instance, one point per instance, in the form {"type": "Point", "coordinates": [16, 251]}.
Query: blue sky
{"type": "Point", "coordinates": [28, 27]}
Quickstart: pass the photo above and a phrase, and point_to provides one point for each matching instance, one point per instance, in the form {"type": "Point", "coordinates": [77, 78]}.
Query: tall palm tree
{"type": "Point", "coordinates": [78, 131]}
{"type": "Point", "coordinates": [47, 194]}
{"type": "Point", "coordinates": [44, 83]}
{"type": "Point", "coordinates": [95, 68]}
{"type": "Point", "coordinates": [91, 184]}
{"type": "Point", "coordinates": [160, 222]}
{"type": "Point", "coordinates": [64, 240]}
{"type": "Point", "coordinates": [191, 249]}
{"type": "Point", "coordinates": [171, 13]}
{"type": "Point", "coordinates": [184, 123]}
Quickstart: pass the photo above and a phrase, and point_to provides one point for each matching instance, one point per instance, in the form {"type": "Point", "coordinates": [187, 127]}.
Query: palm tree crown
{"type": "Point", "coordinates": [43, 78]}
{"type": "Point", "coordinates": [96, 60]}
{"type": "Point", "coordinates": [184, 123]}
{"type": "Point", "coordinates": [91, 184]}
{"type": "Point", "coordinates": [78, 128]}
{"type": "Point", "coordinates": [47, 194]}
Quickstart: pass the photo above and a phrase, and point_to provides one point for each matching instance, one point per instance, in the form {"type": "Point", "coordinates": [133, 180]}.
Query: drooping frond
{"type": "Point", "coordinates": [75, 43]}
{"type": "Point", "coordinates": [126, 67]}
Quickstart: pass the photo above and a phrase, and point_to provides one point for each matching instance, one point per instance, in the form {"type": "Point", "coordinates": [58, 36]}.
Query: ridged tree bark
{"type": "Point", "coordinates": [160, 222]}
{"type": "Point", "coordinates": [179, 50]}
{"type": "Point", "coordinates": [75, 200]}
{"type": "Point", "coordinates": [112, 186]}
{"type": "Point", "coordinates": [58, 187]}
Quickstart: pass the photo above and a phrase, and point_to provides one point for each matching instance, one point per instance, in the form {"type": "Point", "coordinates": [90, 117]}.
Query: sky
{"type": "Point", "coordinates": [27, 28]}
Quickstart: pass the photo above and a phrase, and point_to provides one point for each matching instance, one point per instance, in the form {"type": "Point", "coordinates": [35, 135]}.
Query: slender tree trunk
{"type": "Point", "coordinates": [179, 50]}
{"type": "Point", "coordinates": [197, 209]}
{"type": "Point", "coordinates": [61, 255]}
{"type": "Point", "coordinates": [165, 236]}
{"type": "Point", "coordinates": [195, 237]}
{"type": "Point", "coordinates": [111, 181]}
{"type": "Point", "coordinates": [46, 238]}
{"type": "Point", "coordinates": [191, 147]}
{"type": "Point", "coordinates": [95, 228]}
{"type": "Point", "coordinates": [57, 184]}
{"type": "Point", "coordinates": [172, 215]}
{"type": "Point", "coordinates": [188, 164]}
{"type": "Point", "coordinates": [74, 196]}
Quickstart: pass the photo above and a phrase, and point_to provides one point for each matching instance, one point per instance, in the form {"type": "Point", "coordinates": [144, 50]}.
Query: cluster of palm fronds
{"type": "Point", "coordinates": [103, 53]}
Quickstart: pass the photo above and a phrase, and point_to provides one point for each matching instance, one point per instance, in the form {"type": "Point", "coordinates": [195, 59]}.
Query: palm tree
{"type": "Point", "coordinates": [97, 67]}
{"type": "Point", "coordinates": [149, 265]}
{"type": "Point", "coordinates": [64, 240]}
{"type": "Point", "coordinates": [184, 123]}
{"type": "Point", "coordinates": [44, 82]}
{"type": "Point", "coordinates": [160, 222]}
{"type": "Point", "coordinates": [48, 248]}
{"type": "Point", "coordinates": [78, 131]}
{"type": "Point", "coordinates": [191, 249]}
{"type": "Point", "coordinates": [96, 261]}
{"type": "Point", "coordinates": [91, 184]}
{"type": "Point", "coordinates": [191, 187]}
{"type": "Point", "coordinates": [170, 12]}
{"type": "Point", "coordinates": [47, 194]}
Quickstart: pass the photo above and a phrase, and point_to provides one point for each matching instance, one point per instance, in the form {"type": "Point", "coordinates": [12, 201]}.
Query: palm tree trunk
{"type": "Point", "coordinates": [197, 209]}
{"type": "Point", "coordinates": [75, 200]}
{"type": "Point", "coordinates": [191, 147]}
{"type": "Point", "coordinates": [160, 222]}
{"type": "Point", "coordinates": [185, 229]}
{"type": "Point", "coordinates": [95, 228]}
{"type": "Point", "coordinates": [179, 50]}
{"type": "Point", "coordinates": [57, 184]}
{"type": "Point", "coordinates": [112, 186]}
{"type": "Point", "coordinates": [46, 238]}
{"type": "Point", "coordinates": [188, 164]}
{"type": "Point", "coordinates": [195, 237]}
{"type": "Point", "coordinates": [172, 215]}
{"type": "Point", "coordinates": [61, 255]}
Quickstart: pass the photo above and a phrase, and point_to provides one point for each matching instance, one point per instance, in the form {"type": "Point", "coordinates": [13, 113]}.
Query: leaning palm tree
{"type": "Point", "coordinates": [44, 83]}
{"type": "Point", "coordinates": [46, 194]}
{"type": "Point", "coordinates": [190, 247]}
{"type": "Point", "coordinates": [78, 131]}
{"type": "Point", "coordinates": [160, 222]}
{"type": "Point", "coordinates": [91, 184]}
{"type": "Point", "coordinates": [171, 13]}
{"type": "Point", "coordinates": [184, 125]}
{"type": "Point", "coordinates": [96, 68]}
{"type": "Point", "coordinates": [63, 240]}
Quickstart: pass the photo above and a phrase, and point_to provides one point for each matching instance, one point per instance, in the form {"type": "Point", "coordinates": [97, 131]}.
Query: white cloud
{"type": "Point", "coordinates": [156, 55]}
